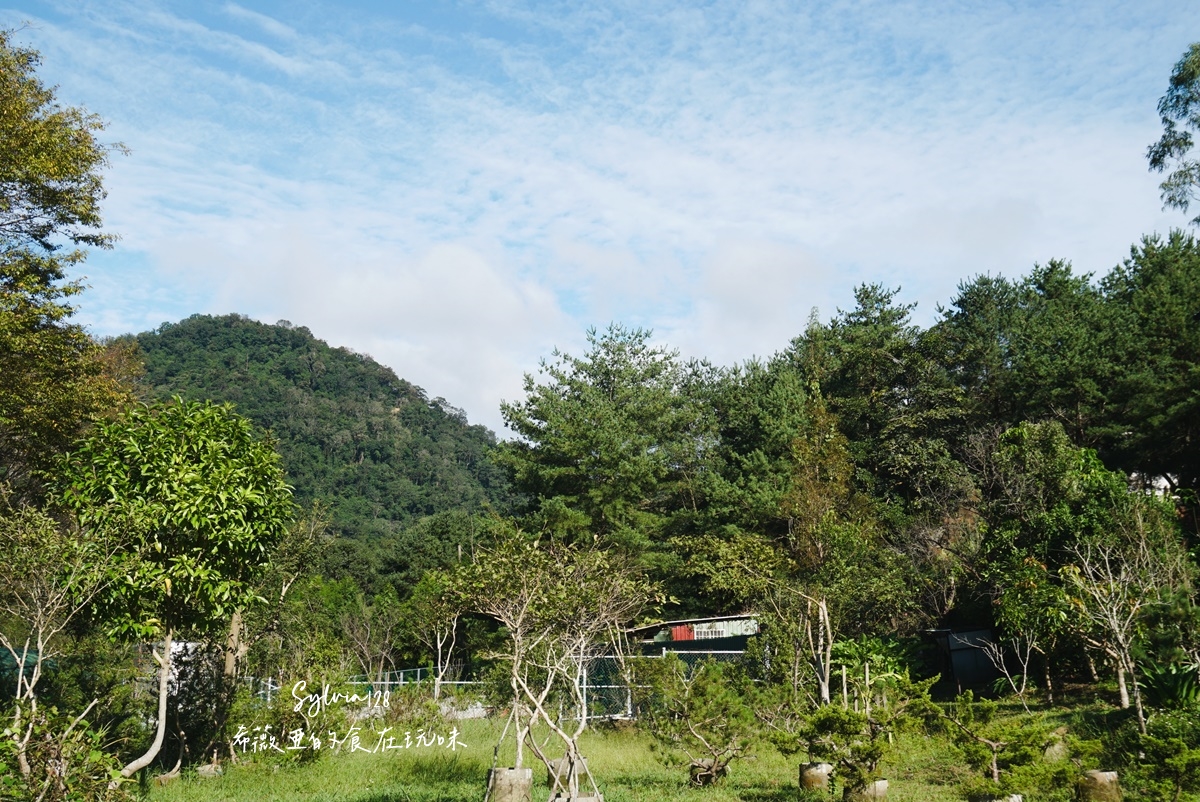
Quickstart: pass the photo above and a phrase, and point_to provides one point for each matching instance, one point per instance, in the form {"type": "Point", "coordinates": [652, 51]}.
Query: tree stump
{"type": "Point", "coordinates": [815, 775]}
{"type": "Point", "coordinates": [1099, 786]}
{"type": "Point", "coordinates": [510, 785]}
{"type": "Point", "coordinates": [875, 790]}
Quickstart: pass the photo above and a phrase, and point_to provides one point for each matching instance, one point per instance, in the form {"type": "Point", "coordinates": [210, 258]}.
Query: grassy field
{"type": "Point", "coordinates": [625, 765]}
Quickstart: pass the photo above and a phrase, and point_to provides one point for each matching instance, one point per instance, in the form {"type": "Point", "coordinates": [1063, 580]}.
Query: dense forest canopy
{"type": "Point", "coordinates": [865, 421]}
{"type": "Point", "coordinates": [371, 445]}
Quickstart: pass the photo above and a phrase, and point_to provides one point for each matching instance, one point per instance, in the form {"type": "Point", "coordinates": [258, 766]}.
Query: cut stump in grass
{"type": "Point", "coordinates": [815, 775]}
{"type": "Point", "coordinates": [510, 785]}
{"type": "Point", "coordinates": [874, 790]}
{"type": "Point", "coordinates": [1099, 786]}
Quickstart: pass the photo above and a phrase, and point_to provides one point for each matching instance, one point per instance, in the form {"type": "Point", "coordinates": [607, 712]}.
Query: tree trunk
{"type": "Point", "coordinates": [22, 743]}
{"type": "Point", "coordinates": [821, 646]}
{"type": "Point", "coordinates": [1121, 684]}
{"type": "Point", "coordinates": [1137, 698]}
{"type": "Point", "coordinates": [445, 643]}
{"type": "Point", "coordinates": [1046, 676]}
{"type": "Point", "coordinates": [1091, 664]}
{"type": "Point", "coordinates": [233, 645]}
{"type": "Point", "coordinates": [520, 733]}
{"type": "Point", "coordinates": [164, 677]}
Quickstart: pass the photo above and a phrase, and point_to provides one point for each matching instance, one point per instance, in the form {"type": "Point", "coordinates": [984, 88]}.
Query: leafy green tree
{"type": "Point", "coordinates": [53, 383]}
{"type": "Point", "coordinates": [856, 741]}
{"type": "Point", "coordinates": [609, 443]}
{"type": "Point", "coordinates": [1043, 493]}
{"type": "Point", "coordinates": [758, 411]}
{"type": "Point", "coordinates": [1153, 299]}
{"type": "Point", "coordinates": [295, 556]}
{"type": "Point", "coordinates": [1043, 497]}
{"type": "Point", "coordinates": [373, 629]}
{"type": "Point", "coordinates": [50, 162]}
{"type": "Point", "coordinates": [1041, 348]}
{"type": "Point", "coordinates": [1180, 112]}
{"type": "Point", "coordinates": [1003, 749]}
{"type": "Point", "coordinates": [1065, 530]}
{"type": "Point", "coordinates": [799, 632]}
{"type": "Point", "coordinates": [977, 335]}
{"type": "Point", "coordinates": [308, 640]}
{"type": "Point", "coordinates": [52, 377]}
{"type": "Point", "coordinates": [433, 616]}
{"type": "Point", "coordinates": [1034, 614]}
{"type": "Point", "coordinates": [862, 361]}
{"type": "Point", "coordinates": [828, 573]}
{"type": "Point", "coordinates": [68, 761]}
{"type": "Point", "coordinates": [1115, 578]}
{"type": "Point", "coordinates": [205, 498]}
{"type": "Point", "coordinates": [1171, 756]}
{"type": "Point", "coordinates": [1038, 349]}
{"type": "Point", "coordinates": [1063, 357]}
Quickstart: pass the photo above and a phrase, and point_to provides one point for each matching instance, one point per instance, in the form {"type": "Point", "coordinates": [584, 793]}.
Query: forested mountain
{"type": "Point", "coordinates": [353, 434]}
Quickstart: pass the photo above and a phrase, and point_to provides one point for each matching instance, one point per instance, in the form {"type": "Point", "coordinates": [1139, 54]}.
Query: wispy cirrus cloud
{"type": "Point", "coordinates": [456, 188]}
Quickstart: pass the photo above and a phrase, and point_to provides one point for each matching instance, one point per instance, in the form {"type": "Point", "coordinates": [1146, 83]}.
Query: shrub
{"type": "Point", "coordinates": [67, 760]}
{"type": "Point", "coordinates": [1171, 685]}
{"type": "Point", "coordinates": [1170, 766]}
{"type": "Point", "coordinates": [702, 712]}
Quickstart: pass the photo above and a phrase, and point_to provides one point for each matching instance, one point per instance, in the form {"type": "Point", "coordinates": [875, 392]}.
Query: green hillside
{"type": "Point", "coordinates": [353, 434]}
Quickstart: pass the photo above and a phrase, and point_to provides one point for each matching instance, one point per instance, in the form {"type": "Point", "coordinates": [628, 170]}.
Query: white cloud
{"type": "Point", "coordinates": [752, 298]}
{"type": "Point", "coordinates": [457, 192]}
{"type": "Point", "coordinates": [268, 24]}
{"type": "Point", "coordinates": [449, 319]}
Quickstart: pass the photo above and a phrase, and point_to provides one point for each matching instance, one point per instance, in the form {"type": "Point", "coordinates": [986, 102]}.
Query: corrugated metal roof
{"type": "Point", "coordinates": [682, 621]}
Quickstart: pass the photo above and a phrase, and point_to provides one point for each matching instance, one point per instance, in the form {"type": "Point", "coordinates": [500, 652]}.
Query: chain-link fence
{"type": "Point", "coordinates": [608, 695]}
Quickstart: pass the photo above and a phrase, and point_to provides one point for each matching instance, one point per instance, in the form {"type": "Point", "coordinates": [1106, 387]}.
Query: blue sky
{"type": "Point", "coordinates": [457, 188]}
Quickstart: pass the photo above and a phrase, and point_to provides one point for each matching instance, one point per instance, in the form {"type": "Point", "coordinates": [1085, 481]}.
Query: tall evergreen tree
{"type": "Point", "coordinates": [611, 444]}
{"type": "Point", "coordinates": [1153, 302]}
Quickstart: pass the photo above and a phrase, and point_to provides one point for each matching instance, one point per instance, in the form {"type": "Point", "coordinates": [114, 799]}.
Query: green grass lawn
{"type": "Point", "coordinates": [625, 765]}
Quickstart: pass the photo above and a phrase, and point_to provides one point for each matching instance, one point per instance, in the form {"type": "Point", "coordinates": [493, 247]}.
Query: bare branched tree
{"type": "Point", "coordinates": [1021, 645]}
{"type": "Point", "coordinates": [433, 614]}
{"type": "Point", "coordinates": [562, 608]}
{"type": "Point", "coordinates": [50, 573]}
{"type": "Point", "coordinates": [373, 630]}
{"type": "Point", "coordinates": [1115, 581]}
